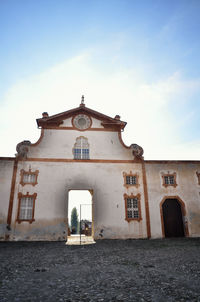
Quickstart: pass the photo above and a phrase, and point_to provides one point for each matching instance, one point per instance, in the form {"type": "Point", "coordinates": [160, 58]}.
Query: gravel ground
{"type": "Point", "coordinates": [110, 270]}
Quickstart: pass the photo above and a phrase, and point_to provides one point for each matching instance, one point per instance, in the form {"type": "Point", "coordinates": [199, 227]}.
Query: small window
{"type": "Point", "coordinates": [132, 206]}
{"type": "Point", "coordinates": [26, 207]}
{"type": "Point", "coordinates": [198, 177]}
{"type": "Point", "coordinates": [28, 177]}
{"type": "Point", "coordinates": [131, 179]}
{"type": "Point", "coordinates": [81, 148]}
{"type": "Point", "coordinates": [169, 180]}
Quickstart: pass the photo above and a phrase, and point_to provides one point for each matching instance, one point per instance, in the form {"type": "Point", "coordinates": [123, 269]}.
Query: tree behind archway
{"type": "Point", "coordinates": [74, 221]}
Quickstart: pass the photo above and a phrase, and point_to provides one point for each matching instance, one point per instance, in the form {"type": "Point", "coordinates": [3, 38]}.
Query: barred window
{"type": "Point", "coordinates": [81, 148]}
{"type": "Point", "coordinates": [28, 177]}
{"type": "Point", "coordinates": [131, 180]}
{"type": "Point", "coordinates": [169, 179]}
{"type": "Point", "coordinates": [132, 206]}
{"type": "Point", "coordinates": [26, 207]}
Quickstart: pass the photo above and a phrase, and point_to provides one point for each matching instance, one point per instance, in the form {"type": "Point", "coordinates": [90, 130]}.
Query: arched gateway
{"type": "Point", "coordinates": [173, 217]}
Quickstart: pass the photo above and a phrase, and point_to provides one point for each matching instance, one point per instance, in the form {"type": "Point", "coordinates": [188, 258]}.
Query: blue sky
{"type": "Point", "coordinates": [139, 59]}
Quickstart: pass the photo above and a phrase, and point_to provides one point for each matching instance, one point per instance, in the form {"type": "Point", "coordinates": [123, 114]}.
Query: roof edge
{"type": "Point", "coordinates": [57, 119]}
{"type": "Point", "coordinates": [173, 161]}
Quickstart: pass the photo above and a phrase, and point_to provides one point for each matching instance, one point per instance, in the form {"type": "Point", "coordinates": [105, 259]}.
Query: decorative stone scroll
{"type": "Point", "coordinates": [137, 151]}
{"type": "Point", "coordinates": [22, 149]}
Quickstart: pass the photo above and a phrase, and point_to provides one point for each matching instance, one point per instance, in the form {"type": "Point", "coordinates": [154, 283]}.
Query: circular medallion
{"type": "Point", "coordinates": [82, 121]}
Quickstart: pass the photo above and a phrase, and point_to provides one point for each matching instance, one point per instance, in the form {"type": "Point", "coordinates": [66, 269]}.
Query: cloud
{"type": "Point", "coordinates": [144, 104]}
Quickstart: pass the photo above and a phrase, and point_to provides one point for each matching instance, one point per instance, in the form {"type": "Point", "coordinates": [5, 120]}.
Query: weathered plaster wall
{"type": "Point", "coordinates": [54, 182]}
{"type": "Point", "coordinates": [66, 123]}
{"type": "Point", "coordinates": [106, 180]}
{"type": "Point", "coordinates": [6, 170]}
{"type": "Point", "coordinates": [187, 189]}
{"type": "Point", "coordinates": [60, 144]}
{"type": "Point", "coordinates": [96, 123]}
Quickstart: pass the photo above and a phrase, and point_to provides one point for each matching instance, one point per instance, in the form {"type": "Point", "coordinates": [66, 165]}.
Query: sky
{"type": "Point", "coordinates": [138, 59]}
{"type": "Point", "coordinates": [77, 198]}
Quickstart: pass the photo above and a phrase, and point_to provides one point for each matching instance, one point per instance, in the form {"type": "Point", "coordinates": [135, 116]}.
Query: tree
{"type": "Point", "coordinates": [74, 221]}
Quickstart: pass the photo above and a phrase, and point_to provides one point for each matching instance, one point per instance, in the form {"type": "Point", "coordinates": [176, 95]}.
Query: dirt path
{"type": "Point", "coordinates": [110, 270]}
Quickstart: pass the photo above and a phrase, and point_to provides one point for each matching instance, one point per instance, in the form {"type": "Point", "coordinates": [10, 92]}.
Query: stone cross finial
{"type": "Point", "coordinates": [82, 100]}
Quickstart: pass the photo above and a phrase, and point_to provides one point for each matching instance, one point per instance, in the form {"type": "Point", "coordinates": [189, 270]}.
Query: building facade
{"type": "Point", "coordinates": [82, 149]}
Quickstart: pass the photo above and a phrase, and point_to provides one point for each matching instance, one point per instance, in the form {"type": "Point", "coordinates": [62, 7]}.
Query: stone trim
{"type": "Point", "coordinates": [132, 175]}
{"type": "Point", "coordinates": [110, 129]}
{"type": "Point", "coordinates": [183, 210]}
{"type": "Point", "coordinates": [12, 193]}
{"type": "Point", "coordinates": [121, 140]}
{"type": "Point", "coordinates": [172, 162]}
{"type": "Point", "coordinates": [74, 127]}
{"type": "Point", "coordinates": [146, 200]}
{"type": "Point", "coordinates": [20, 196]}
{"type": "Point", "coordinates": [138, 196]}
{"type": "Point", "coordinates": [39, 140]}
{"type": "Point", "coordinates": [169, 175]}
{"type": "Point", "coordinates": [196, 162]}
{"type": "Point", "coordinates": [29, 172]}
{"type": "Point", "coordinates": [67, 160]}
{"type": "Point", "coordinates": [57, 119]}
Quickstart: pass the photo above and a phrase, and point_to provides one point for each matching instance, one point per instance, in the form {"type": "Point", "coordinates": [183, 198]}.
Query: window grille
{"type": "Point", "coordinates": [169, 180]}
{"type": "Point", "coordinates": [81, 148]}
{"type": "Point", "coordinates": [132, 208]}
{"type": "Point", "coordinates": [29, 178]}
{"type": "Point", "coordinates": [131, 180]}
{"type": "Point", "coordinates": [26, 208]}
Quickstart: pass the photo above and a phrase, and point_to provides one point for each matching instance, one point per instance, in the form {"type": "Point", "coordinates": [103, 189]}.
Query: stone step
{"type": "Point", "coordinates": [76, 240]}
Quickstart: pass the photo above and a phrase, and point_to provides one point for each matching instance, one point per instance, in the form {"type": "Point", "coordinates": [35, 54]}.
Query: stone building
{"type": "Point", "coordinates": [82, 149]}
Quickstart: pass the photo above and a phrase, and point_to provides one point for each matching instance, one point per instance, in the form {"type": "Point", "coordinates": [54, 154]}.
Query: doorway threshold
{"type": "Point", "coordinates": [76, 240]}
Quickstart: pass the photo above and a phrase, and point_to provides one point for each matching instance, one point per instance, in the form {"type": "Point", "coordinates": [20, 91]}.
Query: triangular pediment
{"type": "Point", "coordinates": [57, 120]}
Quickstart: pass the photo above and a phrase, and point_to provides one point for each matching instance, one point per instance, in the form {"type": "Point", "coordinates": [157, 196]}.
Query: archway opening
{"type": "Point", "coordinates": [173, 218]}
{"type": "Point", "coordinates": [80, 217]}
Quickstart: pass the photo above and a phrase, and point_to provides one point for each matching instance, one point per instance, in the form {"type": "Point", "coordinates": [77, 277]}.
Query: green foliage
{"type": "Point", "coordinates": [74, 221]}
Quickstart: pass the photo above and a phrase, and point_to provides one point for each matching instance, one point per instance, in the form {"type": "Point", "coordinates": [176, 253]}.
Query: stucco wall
{"type": "Point", "coordinates": [60, 144]}
{"type": "Point", "coordinates": [187, 189]}
{"type": "Point", "coordinates": [6, 170]}
{"type": "Point", "coordinates": [106, 180]}
{"type": "Point", "coordinates": [54, 182]}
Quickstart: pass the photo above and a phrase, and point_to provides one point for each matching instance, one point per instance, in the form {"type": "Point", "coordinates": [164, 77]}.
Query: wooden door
{"type": "Point", "coordinates": [173, 220]}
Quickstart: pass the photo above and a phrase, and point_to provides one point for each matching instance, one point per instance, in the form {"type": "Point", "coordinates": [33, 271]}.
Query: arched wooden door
{"type": "Point", "coordinates": [172, 218]}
